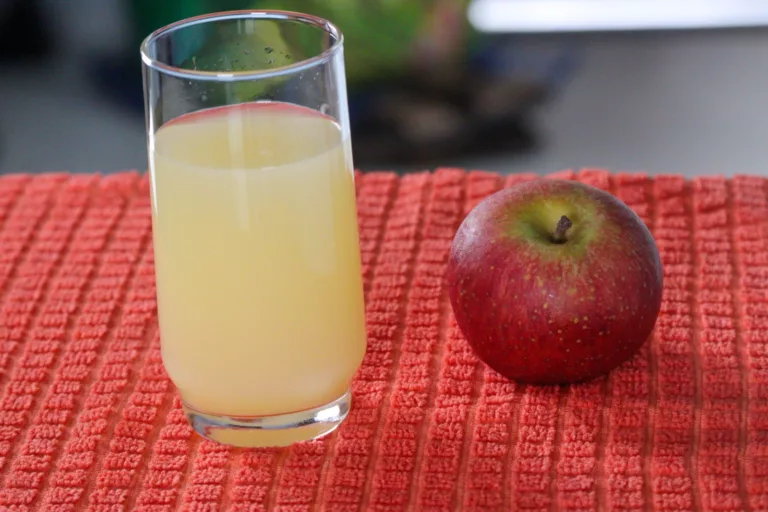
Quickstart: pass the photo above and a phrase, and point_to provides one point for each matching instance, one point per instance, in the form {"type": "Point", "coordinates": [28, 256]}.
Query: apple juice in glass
{"type": "Point", "coordinates": [259, 288]}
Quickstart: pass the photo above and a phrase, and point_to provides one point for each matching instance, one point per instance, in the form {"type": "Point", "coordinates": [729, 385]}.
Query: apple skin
{"type": "Point", "coordinates": [542, 312]}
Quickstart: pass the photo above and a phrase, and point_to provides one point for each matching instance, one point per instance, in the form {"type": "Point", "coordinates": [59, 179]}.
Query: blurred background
{"type": "Point", "coordinates": [504, 85]}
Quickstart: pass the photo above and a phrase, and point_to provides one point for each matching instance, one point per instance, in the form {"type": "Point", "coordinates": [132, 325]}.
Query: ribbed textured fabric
{"type": "Point", "coordinates": [89, 420]}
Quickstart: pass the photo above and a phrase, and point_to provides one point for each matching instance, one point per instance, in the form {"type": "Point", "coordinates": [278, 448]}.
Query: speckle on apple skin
{"type": "Point", "coordinates": [601, 303]}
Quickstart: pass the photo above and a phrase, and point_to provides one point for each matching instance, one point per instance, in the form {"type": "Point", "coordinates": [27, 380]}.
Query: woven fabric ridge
{"type": "Point", "coordinates": [90, 421]}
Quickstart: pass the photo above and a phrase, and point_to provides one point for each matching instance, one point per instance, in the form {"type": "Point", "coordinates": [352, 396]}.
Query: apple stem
{"type": "Point", "coordinates": [563, 225]}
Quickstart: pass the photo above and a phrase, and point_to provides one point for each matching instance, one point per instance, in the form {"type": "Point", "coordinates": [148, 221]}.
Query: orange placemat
{"type": "Point", "coordinates": [89, 421]}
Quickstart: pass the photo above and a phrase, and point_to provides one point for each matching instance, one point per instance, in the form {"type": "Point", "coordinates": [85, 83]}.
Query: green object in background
{"type": "Point", "coordinates": [197, 48]}
{"type": "Point", "coordinates": [379, 36]}
{"type": "Point", "coordinates": [228, 49]}
{"type": "Point", "coordinates": [382, 37]}
{"type": "Point", "coordinates": [149, 15]}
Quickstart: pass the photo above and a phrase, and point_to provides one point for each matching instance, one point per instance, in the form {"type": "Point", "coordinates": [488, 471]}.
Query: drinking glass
{"type": "Point", "coordinates": [259, 288]}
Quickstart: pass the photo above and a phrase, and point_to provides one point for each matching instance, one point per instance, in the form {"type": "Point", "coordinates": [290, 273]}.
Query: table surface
{"type": "Point", "coordinates": [89, 420]}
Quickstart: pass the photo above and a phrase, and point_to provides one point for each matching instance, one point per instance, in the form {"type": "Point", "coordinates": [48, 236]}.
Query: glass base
{"type": "Point", "coordinates": [270, 431]}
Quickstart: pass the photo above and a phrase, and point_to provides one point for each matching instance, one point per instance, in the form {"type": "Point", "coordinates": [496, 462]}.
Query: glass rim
{"type": "Point", "coordinates": [237, 76]}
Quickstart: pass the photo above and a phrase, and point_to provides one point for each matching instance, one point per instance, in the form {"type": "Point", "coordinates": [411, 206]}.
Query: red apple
{"type": "Point", "coordinates": [554, 281]}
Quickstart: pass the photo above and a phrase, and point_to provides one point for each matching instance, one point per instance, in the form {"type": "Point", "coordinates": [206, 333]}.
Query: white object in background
{"type": "Point", "coordinates": [547, 16]}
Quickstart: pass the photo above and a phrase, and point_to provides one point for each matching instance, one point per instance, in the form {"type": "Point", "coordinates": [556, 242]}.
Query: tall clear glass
{"type": "Point", "coordinates": [259, 288]}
